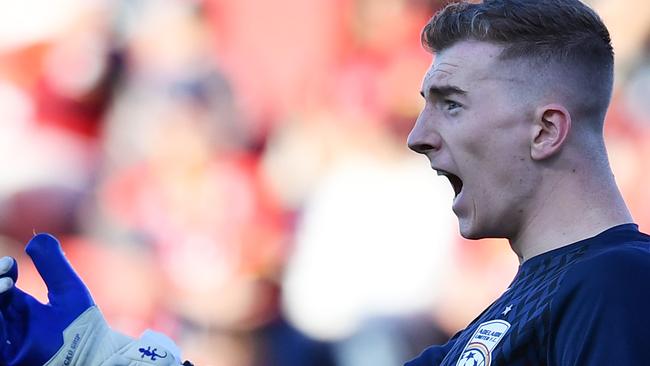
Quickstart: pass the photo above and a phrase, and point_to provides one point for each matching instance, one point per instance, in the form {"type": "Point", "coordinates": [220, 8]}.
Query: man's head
{"type": "Point", "coordinates": [563, 38]}
{"type": "Point", "coordinates": [515, 98]}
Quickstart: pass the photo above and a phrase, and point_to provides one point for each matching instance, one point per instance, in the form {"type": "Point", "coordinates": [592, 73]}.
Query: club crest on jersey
{"type": "Point", "coordinates": [478, 351]}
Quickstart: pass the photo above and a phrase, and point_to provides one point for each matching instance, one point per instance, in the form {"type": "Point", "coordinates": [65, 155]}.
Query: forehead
{"type": "Point", "coordinates": [464, 63]}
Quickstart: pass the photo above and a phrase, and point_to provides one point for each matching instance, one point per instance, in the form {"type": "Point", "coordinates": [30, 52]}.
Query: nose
{"type": "Point", "coordinates": [422, 138]}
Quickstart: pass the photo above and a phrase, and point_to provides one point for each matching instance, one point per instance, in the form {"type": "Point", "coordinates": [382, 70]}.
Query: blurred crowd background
{"type": "Point", "coordinates": [234, 173]}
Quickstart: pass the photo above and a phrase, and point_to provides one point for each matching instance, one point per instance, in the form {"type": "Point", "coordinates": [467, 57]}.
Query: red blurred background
{"type": "Point", "coordinates": [234, 173]}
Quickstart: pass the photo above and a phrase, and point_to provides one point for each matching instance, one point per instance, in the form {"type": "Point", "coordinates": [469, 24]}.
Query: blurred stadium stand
{"type": "Point", "coordinates": [235, 173]}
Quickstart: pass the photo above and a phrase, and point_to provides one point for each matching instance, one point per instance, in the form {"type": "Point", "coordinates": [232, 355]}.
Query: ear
{"type": "Point", "coordinates": [550, 130]}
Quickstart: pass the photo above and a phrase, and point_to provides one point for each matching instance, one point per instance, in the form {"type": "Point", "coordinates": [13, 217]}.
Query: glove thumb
{"type": "Point", "coordinates": [64, 286]}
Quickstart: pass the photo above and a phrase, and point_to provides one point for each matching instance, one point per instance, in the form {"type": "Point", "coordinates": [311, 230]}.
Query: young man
{"type": "Point", "coordinates": [515, 102]}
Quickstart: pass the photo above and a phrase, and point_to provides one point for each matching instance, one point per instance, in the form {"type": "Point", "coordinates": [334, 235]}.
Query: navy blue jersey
{"type": "Point", "coordinates": [587, 303]}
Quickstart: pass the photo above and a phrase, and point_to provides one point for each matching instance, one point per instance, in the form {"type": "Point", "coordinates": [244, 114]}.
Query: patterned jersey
{"type": "Point", "coordinates": [587, 303]}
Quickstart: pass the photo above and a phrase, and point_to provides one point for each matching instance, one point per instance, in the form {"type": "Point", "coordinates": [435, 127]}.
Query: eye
{"type": "Point", "coordinates": [451, 105]}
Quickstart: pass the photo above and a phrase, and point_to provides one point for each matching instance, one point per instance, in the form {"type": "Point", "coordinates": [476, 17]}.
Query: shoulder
{"type": "Point", "coordinates": [619, 273]}
{"type": "Point", "coordinates": [603, 298]}
{"type": "Point", "coordinates": [623, 261]}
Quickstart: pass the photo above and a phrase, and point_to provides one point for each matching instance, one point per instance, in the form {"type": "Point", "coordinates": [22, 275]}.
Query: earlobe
{"type": "Point", "coordinates": [550, 130]}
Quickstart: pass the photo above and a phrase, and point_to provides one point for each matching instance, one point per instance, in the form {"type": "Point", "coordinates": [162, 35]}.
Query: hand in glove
{"type": "Point", "coordinates": [69, 330]}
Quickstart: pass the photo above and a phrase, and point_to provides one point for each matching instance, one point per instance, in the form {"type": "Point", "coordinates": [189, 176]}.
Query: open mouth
{"type": "Point", "coordinates": [456, 182]}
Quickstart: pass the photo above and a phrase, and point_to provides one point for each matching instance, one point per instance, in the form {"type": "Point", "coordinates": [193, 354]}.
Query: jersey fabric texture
{"type": "Point", "coordinates": [587, 303]}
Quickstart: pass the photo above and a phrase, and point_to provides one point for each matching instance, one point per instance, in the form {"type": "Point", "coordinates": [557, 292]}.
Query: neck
{"type": "Point", "coordinates": [572, 208]}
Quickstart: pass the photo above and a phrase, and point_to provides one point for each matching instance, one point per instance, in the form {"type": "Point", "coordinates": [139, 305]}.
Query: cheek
{"type": "Point", "coordinates": [497, 174]}
{"type": "Point", "coordinates": [486, 138]}
{"type": "Point", "coordinates": [506, 151]}
{"type": "Point", "coordinates": [513, 186]}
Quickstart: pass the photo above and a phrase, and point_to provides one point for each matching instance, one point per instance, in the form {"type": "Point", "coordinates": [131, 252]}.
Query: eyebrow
{"type": "Point", "coordinates": [443, 91]}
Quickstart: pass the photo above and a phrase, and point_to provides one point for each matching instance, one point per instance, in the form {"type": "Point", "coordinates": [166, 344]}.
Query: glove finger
{"type": "Point", "coordinates": [8, 277]}
{"type": "Point", "coordinates": [6, 283]}
{"type": "Point", "coordinates": [63, 284]}
{"type": "Point", "coordinates": [8, 273]}
{"type": "Point", "coordinates": [8, 268]}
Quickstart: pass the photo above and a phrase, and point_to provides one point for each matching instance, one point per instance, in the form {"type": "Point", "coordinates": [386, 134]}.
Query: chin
{"type": "Point", "coordinates": [471, 236]}
{"type": "Point", "coordinates": [472, 232]}
{"type": "Point", "coordinates": [468, 233]}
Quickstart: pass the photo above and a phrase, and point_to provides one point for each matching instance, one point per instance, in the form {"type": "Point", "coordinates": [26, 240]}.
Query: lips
{"type": "Point", "coordinates": [456, 182]}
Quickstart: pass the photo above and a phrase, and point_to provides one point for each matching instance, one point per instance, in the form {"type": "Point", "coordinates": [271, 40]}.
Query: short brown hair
{"type": "Point", "coordinates": [563, 32]}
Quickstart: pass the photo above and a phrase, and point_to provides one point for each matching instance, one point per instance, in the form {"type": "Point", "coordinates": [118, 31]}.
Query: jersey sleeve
{"type": "Point", "coordinates": [433, 355]}
{"type": "Point", "coordinates": [599, 315]}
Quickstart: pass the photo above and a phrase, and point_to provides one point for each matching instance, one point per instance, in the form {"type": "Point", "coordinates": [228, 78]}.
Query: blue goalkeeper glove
{"type": "Point", "coordinates": [69, 330]}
